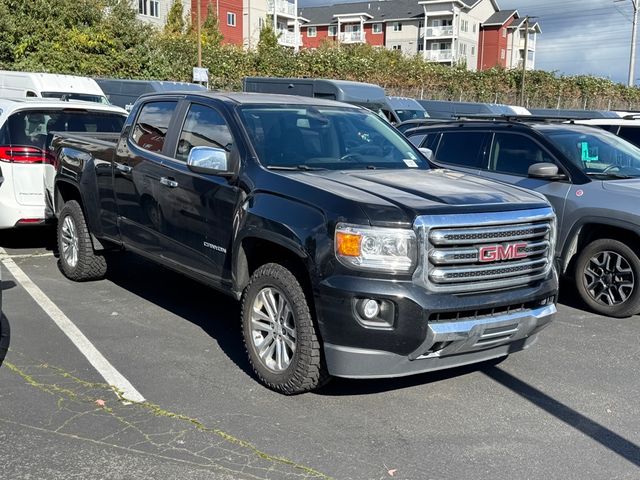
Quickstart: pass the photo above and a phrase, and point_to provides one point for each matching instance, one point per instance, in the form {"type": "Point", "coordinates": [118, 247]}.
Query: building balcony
{"type": "Point", "coordinates": [438, 55]}
{"type": "Point", "coordinates": [438, 32]}
{"type": "Point", "coordinates": [288, 39]}
{"type": "Point", "coordinates": [352, 37]}
{"type": "Point", "coordinates": [531, 45]}
{"type": "Point", "coordinates": [282, 7]}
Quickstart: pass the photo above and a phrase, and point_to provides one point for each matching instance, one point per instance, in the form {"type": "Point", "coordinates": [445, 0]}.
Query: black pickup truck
{"type": "Point", "coordinates": [351, 255]}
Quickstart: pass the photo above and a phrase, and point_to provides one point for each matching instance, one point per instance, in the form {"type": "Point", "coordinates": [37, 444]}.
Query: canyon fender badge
{"type": "Point", "coordinates": [215, 247]}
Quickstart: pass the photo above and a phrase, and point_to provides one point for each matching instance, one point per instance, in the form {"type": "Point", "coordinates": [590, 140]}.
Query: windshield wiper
{"type": "Point", "coordinates": [617, 176]}
{"type": "Point", "coordinates": [294, 168]}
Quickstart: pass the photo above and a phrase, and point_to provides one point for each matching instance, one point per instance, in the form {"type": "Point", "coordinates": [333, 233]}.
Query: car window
{"type": "Point", "coordinates": [631, 134]}
{"type": "Point", "coordinates": [514, 154]}
{"type": "Point", "coordinates": [417, 139]}
{"type": "Point", "coordinates": [203, 127]}
{"type": "Point", "coordinates": [151, 126]}
{"type": "Point", "coordinates": [461, 148]}
{"type": "Point", "coordinates": [34, 127]}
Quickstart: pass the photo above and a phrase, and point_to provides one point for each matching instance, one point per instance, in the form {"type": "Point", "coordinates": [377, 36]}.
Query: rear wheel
{"type": "Point", "coordinates": [77, 259]}
{"type": "Point", "coordinates": [607, 278]}
{"type": "Point", "coordinates": [279, 334]}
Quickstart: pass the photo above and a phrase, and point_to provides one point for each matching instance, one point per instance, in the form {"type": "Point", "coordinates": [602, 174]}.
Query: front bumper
{"type": "Point", "coordinates": [430, 331]}
{"type": "Point", "coordinates": [456, 343]}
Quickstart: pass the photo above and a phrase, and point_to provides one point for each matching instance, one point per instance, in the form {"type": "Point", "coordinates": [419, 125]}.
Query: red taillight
{"type": "Point", "coordinates": [21, 155]}
{"type": "Point", "coordinates": [29, 221]}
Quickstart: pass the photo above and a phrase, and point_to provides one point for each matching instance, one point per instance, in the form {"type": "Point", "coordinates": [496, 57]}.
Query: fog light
{"type": "Point", "coordinates": [370, 309]}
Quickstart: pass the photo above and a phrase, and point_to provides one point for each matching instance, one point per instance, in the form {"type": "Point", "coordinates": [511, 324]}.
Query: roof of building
{"type": "Point", "coordinates": [378, 10]}
{"type": "Point", "coordinates": [500, 18]}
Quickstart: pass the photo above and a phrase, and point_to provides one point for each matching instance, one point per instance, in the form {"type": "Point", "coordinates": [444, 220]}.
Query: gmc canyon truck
{"type": "Point", "coordinates": [351, 255]}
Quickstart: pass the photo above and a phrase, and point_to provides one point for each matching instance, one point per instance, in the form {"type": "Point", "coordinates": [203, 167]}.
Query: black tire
{"type": "Point", "coordinates": [89, 265]}
{"type": "Point", "coordinates": [306, 370]}
{"type": "Point", "coordinates": [622, 301]}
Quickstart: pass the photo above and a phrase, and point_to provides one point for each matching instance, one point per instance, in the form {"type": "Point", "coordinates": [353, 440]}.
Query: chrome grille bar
{"type": "Point", "coordinates": [497, 234]}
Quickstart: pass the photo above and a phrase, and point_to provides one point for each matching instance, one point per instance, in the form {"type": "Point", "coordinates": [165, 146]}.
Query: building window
{"type": "Point", "coordinates": [153, 9]}
{"type": "Point", "coordinates": [231, 19]}
{"type": "Point", "coordinates": [473, 50]}
{"type": "Point", "coordinates": [474, 28]}
{"type": "Point", "coordinates": [503, 54]}
{"type": "Point", "coordinates": [312, 31]}
{"type": "Point", "coordinates": [333, 30]}
{"type": "Point", "coordinates": [504, 33]}
{"type": "Point", "coordinates": [397, 47]}
{"type": "Point", "coordinates": [377, 28]}
{"type": "Point", "coordinates": [421, 24]}
{"type": "Point", "coordinates": [142, 7]}
{"type": "Point", "coordinates": [397, 26]}
{"type": "Point", "coordinates": [260, 23]}
{"type": "Point", "coordinates": [149, 7]}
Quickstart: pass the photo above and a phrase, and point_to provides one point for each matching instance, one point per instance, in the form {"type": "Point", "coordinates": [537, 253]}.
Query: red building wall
{"type": "Point", "coordinates": [315, 42]}
{"type": "Point", "coordinates": [375, 39]}
{"type": "Point", "coordinates": [492, 42]}
{"type": "Point", "coordinates": [231, 34]}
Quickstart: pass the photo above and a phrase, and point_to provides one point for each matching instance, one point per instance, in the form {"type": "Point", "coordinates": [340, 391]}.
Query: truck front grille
{"type": "Point", "coordinates": [470, 252]}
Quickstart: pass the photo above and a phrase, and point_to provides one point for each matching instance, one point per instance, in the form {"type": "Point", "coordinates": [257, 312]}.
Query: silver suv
{"type": "Point", "coordinates": [590, 176]}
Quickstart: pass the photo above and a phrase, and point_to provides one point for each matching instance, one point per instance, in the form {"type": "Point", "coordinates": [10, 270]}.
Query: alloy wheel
{"type": "Point", "coordinates": [609, 278]}
{"type": "Point", "coordinates": [69, 241]}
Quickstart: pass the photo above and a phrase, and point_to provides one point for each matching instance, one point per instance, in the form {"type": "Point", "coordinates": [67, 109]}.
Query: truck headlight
{"type": "Point", "coordinates": [371, 248]}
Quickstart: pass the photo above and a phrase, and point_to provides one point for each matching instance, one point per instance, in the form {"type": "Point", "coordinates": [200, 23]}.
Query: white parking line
{"type": "Point", "coordinates": [95, 358]}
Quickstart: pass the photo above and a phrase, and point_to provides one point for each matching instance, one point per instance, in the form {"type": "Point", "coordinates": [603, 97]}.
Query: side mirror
{"type": "Point", "coordinates": [427, 152]}
{"type": "Point", "coordinates": [208, 160]}
{"type": "Point", "coordinates": [548, 171]}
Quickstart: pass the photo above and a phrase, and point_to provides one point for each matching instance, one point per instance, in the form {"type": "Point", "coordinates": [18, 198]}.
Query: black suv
{"type": "Point", "coordinates": [590, 176]}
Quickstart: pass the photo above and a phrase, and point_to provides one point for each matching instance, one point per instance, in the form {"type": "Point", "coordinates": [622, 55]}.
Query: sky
{"type": "Point", "coordinates": [578, 36]}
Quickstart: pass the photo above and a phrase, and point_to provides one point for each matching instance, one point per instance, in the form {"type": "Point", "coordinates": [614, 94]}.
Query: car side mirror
{"type": "Point", "coordinates": [427, 152]}
{"type": "Point", "coordinates": [208, 160]}
{"type": "Point", "coordinates": [545, 170]}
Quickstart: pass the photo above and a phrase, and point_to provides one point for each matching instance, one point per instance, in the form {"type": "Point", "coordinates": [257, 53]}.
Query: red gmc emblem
{"type": "Point", "coordinates": [496, 253]}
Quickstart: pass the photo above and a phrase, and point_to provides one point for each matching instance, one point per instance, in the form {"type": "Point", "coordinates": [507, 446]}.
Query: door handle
{"type": "Point", "coordinates": [123, 168]}
{"type": "Point", "coordinates": [168, 182]}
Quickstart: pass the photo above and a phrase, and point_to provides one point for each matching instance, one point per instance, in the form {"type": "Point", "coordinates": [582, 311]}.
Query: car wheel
{"type": "Point", "coordinates": [279, 333]}
{"type": "Point", "coordinates": [607, 277]}
{"type": "Point", "coordinates": [77, 259]}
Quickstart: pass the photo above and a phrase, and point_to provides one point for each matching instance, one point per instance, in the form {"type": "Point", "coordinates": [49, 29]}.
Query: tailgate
{"type": "Point", "coordinates": [28, 183]}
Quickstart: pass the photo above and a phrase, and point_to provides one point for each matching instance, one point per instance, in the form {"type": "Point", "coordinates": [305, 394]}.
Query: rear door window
{"type": "Point", "coordinates": [465, 149]}
{"type": "Point", "coordinates": [152, 124]}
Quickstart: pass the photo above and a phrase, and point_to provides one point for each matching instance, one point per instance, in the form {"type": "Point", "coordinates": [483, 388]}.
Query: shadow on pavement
{"type": "Point", "coordinates": [42, 236]}
{"type": "Point", "coordinates": [5, 336]}
{"type": "Point", "coordinates": [601, 434]}
{"type": "Point", "coordinates": [215, 313]}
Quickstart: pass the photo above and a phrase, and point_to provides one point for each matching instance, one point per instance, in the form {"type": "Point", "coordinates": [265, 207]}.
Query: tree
{"type": "Point", "coordinates": [268, 39]}
{"type": "Point", "coordinates": [175, 19]}
{"type": "Point", "coordinates": [211, 28]}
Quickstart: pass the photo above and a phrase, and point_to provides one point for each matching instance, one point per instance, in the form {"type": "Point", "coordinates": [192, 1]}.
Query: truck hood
{"type": "Point", "coordinates": [398, 196]}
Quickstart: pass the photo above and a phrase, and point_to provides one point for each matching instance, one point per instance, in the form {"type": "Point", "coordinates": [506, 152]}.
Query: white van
{"type": "Point", "coordinates": [50, 85]}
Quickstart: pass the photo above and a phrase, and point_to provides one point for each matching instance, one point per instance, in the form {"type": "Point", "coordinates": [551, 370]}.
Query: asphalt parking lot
{"type": "Point", "coordinates": [566, 408]}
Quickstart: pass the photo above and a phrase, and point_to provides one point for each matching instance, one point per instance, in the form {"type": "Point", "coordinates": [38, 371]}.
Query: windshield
{"type": "Point", "coordinates": [598, 153]}
{"type": "Point", "coordinates": [85, 97]}
{"type": "Point", "coordinates": [326, 138]}
{"type": "Point", "coordinates": [405, 115]}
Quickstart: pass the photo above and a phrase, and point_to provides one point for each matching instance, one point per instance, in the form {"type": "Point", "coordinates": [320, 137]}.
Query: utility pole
{"type": "Point", "coordinates": [526, 57]}
{"type": "Point", "coordinates": [634, 31]}
{"type": "Point", "coordinates": [199, 21]}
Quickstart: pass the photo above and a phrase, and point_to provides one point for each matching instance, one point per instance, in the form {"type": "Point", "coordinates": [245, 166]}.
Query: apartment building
{"type": "Point", "coordinates": [156, 11]}
{"type": "Point", "coordinates": [283, 15]}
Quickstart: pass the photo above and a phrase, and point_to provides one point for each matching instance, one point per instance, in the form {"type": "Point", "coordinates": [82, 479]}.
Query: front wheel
{"type": "Point", "coordinates": [279, 334]}
{"type": "Point", "coordinates": [607, 278]}
{"type": "Point", "coordinates": [77, 259]}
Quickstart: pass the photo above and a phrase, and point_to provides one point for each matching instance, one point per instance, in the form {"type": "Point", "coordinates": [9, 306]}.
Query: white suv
{"type": "Point", "coordinates": [627, 127]}
{"type": "Point", "coordinates": [26, 128]}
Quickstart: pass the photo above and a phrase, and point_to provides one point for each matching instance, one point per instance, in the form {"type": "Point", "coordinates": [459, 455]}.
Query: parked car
{"type": "Point", "coordinates": [26, 126]}
{"type": "Point", "coordinates": [351, 256]}
{"type": "Point", "coordinates": [627, 127]}
{"type": "Point", "coordinates": [49, 85]}
{"type": "Point", "coordinates": [407, 108]}
{"type": "Point", "coordinates": [590, 177]}
{"type": "Point", "coordinates": [124, 93]}
{"type": "Point", "coordinates": [450, 110]}
{"type": "Point", "coordinates": [366, 95]}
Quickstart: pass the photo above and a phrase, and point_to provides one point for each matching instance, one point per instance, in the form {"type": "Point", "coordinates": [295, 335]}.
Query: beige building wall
{"type": "Point", "coordinates": [407, 39]}
{"type": "Point", "coordinates": [255, 16]}
{"type": "Point", "coordinates": [163, 7]}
